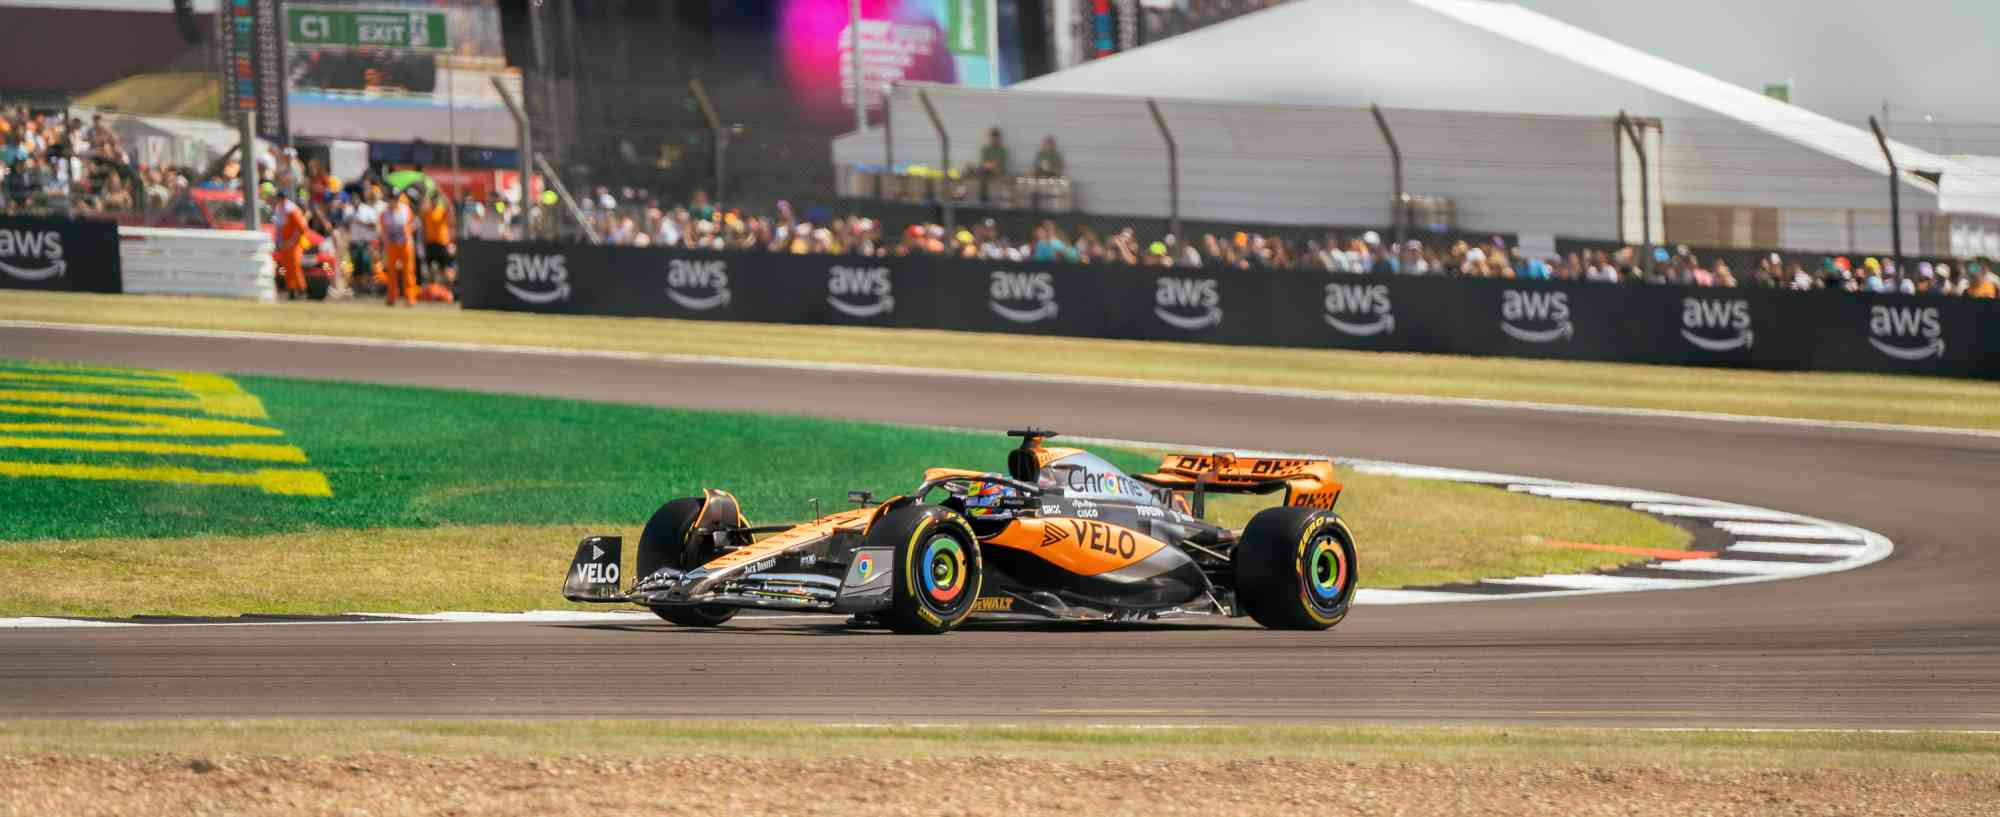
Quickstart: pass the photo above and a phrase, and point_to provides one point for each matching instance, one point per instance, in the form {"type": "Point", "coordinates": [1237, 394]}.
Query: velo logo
{"type": "Point", "coordinates": [1535, 317]}
{"type": "Point", "coordinates": [538, 279]}
{"type": "Point", "coordinates": [709, 278]}
{"type": "Point", "coordinates": [1704, 318]}
{"type": "Point", "coordinates": [1010, 290]}
{"type": "Point", "coordinates": [1360, 310]}
{"type": "Point", "coordinates": [860, 292]}
{"type": "Point", "coordinates": [1892, 328]}
{"type": "Point", "coordinates": [1187, 303]}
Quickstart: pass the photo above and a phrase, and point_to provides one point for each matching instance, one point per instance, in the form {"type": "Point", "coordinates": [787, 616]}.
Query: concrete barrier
{"type": "Point", "coordinates": [217, 263]}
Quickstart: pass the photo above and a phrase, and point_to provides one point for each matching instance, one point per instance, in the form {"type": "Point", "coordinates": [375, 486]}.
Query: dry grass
{"type": "Point", "coordinates": [1859, 397]}
{"type": "Point", "coordinates": [1481, 746]}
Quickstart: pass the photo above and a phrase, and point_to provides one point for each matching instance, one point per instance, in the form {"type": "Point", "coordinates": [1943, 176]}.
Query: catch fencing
{"type": "Point", "coordinates": [1830, 331]}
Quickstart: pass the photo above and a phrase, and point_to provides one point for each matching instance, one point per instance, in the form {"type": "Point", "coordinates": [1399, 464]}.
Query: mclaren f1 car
{"type": "Point", "coordinates": [1063, 535]}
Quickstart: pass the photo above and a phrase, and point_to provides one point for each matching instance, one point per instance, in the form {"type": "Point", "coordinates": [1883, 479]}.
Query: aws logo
{"type": "Point", "coordinates": [538, 279]}
{"type": "Point", "coordinates": [1702, 319]}
{"type": "Point", "coordinates": [1188, 303]}
{"type": "Point", "coordinates": [860, 292]}
{"type": "Point", "coordinates": [1535, 317]}
{"type": "Point", "coordinates": [1892, 330]}
{"type": "Point", "coordinates": [686, 277]}
{"type": "Point", "coordinates": [1358, 309]}
{"type": "Point", "coordinates": [1012, 289]}
{"type": "Point", "coordinates": [32, 255]}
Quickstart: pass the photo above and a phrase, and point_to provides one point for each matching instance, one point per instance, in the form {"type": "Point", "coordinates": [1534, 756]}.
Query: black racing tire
{"type": "Point", "coordinates": [664, 543]}
{"type": "Point", "coordinates": [1296, 569]}
{"type": "Point", "coordinates": [938, 573]}
{"type": "Point", "coordinates": [316, 288]}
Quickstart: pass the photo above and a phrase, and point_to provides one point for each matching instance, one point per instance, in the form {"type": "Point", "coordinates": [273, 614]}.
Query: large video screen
{"type": "Point", "coordinates": [950, 41]}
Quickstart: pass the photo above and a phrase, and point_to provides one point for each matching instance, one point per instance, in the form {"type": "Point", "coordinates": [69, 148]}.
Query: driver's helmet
{"type": "Point", "coordinates": [983, 498]}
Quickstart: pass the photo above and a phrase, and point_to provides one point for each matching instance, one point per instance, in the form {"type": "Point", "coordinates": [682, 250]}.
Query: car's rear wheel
{"type": "Point", "coordinates": [666, 543]}
{"type": "Point", "coordinates": [1296, 569]}
{"type": "Point", "coordinates": [938, 571]}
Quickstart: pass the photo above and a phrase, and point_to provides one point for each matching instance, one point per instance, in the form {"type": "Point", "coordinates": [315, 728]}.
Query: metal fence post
{"type": "Point", "coordinates": [562, 192]}
{"type": "Point", "coordinates": [944, 163]}
{"type": "Point", "coordinates": [1895, 194]}
{"type": "Point", "coordinates": [1402, 213]}
{"type": "Point", "coordinates": [247, 132]}
{"type": "Point", "coordinates": [888, 143]}
{"type": "Point", "coordinates": [527, 149]}
{"type": "Point", "coordinates": [718, 136]}
{"type": "Point", "coordinates": [1645, 179]}
{"type": "Point", "coordinates": [1173, 169]}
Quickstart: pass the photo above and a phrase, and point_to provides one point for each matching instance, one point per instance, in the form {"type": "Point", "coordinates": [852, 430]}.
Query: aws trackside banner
{"type": "Point", "coordinates": [59, 254]}
{"type": "Point", "coordinates": [1647, 324]}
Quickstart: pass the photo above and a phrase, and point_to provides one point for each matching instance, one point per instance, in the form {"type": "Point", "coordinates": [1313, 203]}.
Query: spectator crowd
{"type": "Point", "coordinates": [634, 220]}
{"type": "Point", "coordinates": [51, 163]}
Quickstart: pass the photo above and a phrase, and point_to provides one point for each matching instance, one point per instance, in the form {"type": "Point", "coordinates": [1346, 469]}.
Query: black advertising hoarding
{"type": "Point", "coordinates": [60, 254]}
{"type": "Point", "coordinates": [1533, 319]}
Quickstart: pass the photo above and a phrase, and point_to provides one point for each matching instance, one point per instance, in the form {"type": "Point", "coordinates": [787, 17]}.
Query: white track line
{"type": "Point", "coordinates": [922, 371]}
{"type": "Point", "coordinates": [44, 622]}
{"type": "Point", "coordinates": [1738, 512]}
{"type": "Point", "coordinates": [1745, 567]}
{"type": "Point", "coordinates": [1594, 581]}
{"type": "Point", "coordinates": [1593, 493]}
{"type": "Point", "coordinates": [1783, 530]}
{"type": "Point", "coordinates": [1795, 548]}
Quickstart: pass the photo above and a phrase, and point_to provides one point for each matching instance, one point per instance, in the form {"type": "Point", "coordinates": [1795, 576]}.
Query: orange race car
{"type": "Point", "coordinates": [1063, 535]}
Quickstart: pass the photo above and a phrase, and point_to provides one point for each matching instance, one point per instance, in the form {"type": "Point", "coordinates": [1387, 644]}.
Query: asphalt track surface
{"type": "Point", "coordinates": [1911, 642]}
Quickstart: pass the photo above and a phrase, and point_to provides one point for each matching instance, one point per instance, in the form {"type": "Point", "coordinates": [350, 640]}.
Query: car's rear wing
{"type": "Point", "coordinates": [1307, 481]}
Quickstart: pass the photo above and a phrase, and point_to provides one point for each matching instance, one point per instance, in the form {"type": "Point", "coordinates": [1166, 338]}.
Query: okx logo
{"type": "Point", "coordinates": [1023, 297]}
{"type": "Point", "coordinates": [1535, 317]}
{"type": "Point", "coordinates": [1188, 303]}
{"type": "Point", "coordinates": [1716, 325]}
{"type": "Point", "coordinates": [1360, 310]}
{"type": "Point", "coordinates": [860, 292]}
{"type": "Point", "coordinates": [1906, 332]}
{"type": "Point", "coordinates": [32, 255]}
{"type": "Point", "coordinates": [536, 278]}
{"type": "Point", "coordinates": [698, 285]}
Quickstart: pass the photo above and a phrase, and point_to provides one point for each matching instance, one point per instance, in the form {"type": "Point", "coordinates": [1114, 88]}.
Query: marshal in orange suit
{"type": "Point", "coordinates": [289, 233]}
{"type": "Point", "coordinates": [399, 249]}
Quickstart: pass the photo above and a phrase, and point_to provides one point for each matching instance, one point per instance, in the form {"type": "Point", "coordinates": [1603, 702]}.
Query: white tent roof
{"type": "Point", "coordinates": [1474, 55]}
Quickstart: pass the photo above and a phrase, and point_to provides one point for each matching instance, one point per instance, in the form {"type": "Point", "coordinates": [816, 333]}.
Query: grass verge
{"type": "Point", "coordinates": [1808, 395]}
{"type": "Point", "coordinates": [1370, 744]}
{"type": "Point", "coordinates": [445, 500]}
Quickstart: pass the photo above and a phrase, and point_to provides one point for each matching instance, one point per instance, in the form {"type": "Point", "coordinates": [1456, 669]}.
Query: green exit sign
{"type": "Point", "coordinates": [364, 28]}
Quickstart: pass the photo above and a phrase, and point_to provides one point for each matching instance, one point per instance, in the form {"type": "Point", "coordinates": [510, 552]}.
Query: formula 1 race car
{"type": "Point", "coordinates": [1062, 536]}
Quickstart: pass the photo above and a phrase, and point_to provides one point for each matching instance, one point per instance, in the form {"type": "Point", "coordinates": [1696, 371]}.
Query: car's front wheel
{"type": "Point", "coordinates": [666, 543]}
{"type": "Point", "coordinates": [938, 572]}
{"type": "Point", "coordinates": [1296, 569]}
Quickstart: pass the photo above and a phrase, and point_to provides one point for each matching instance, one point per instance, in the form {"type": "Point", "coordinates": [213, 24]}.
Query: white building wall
{"type": "Point", "coordinates": [1281, 164]}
